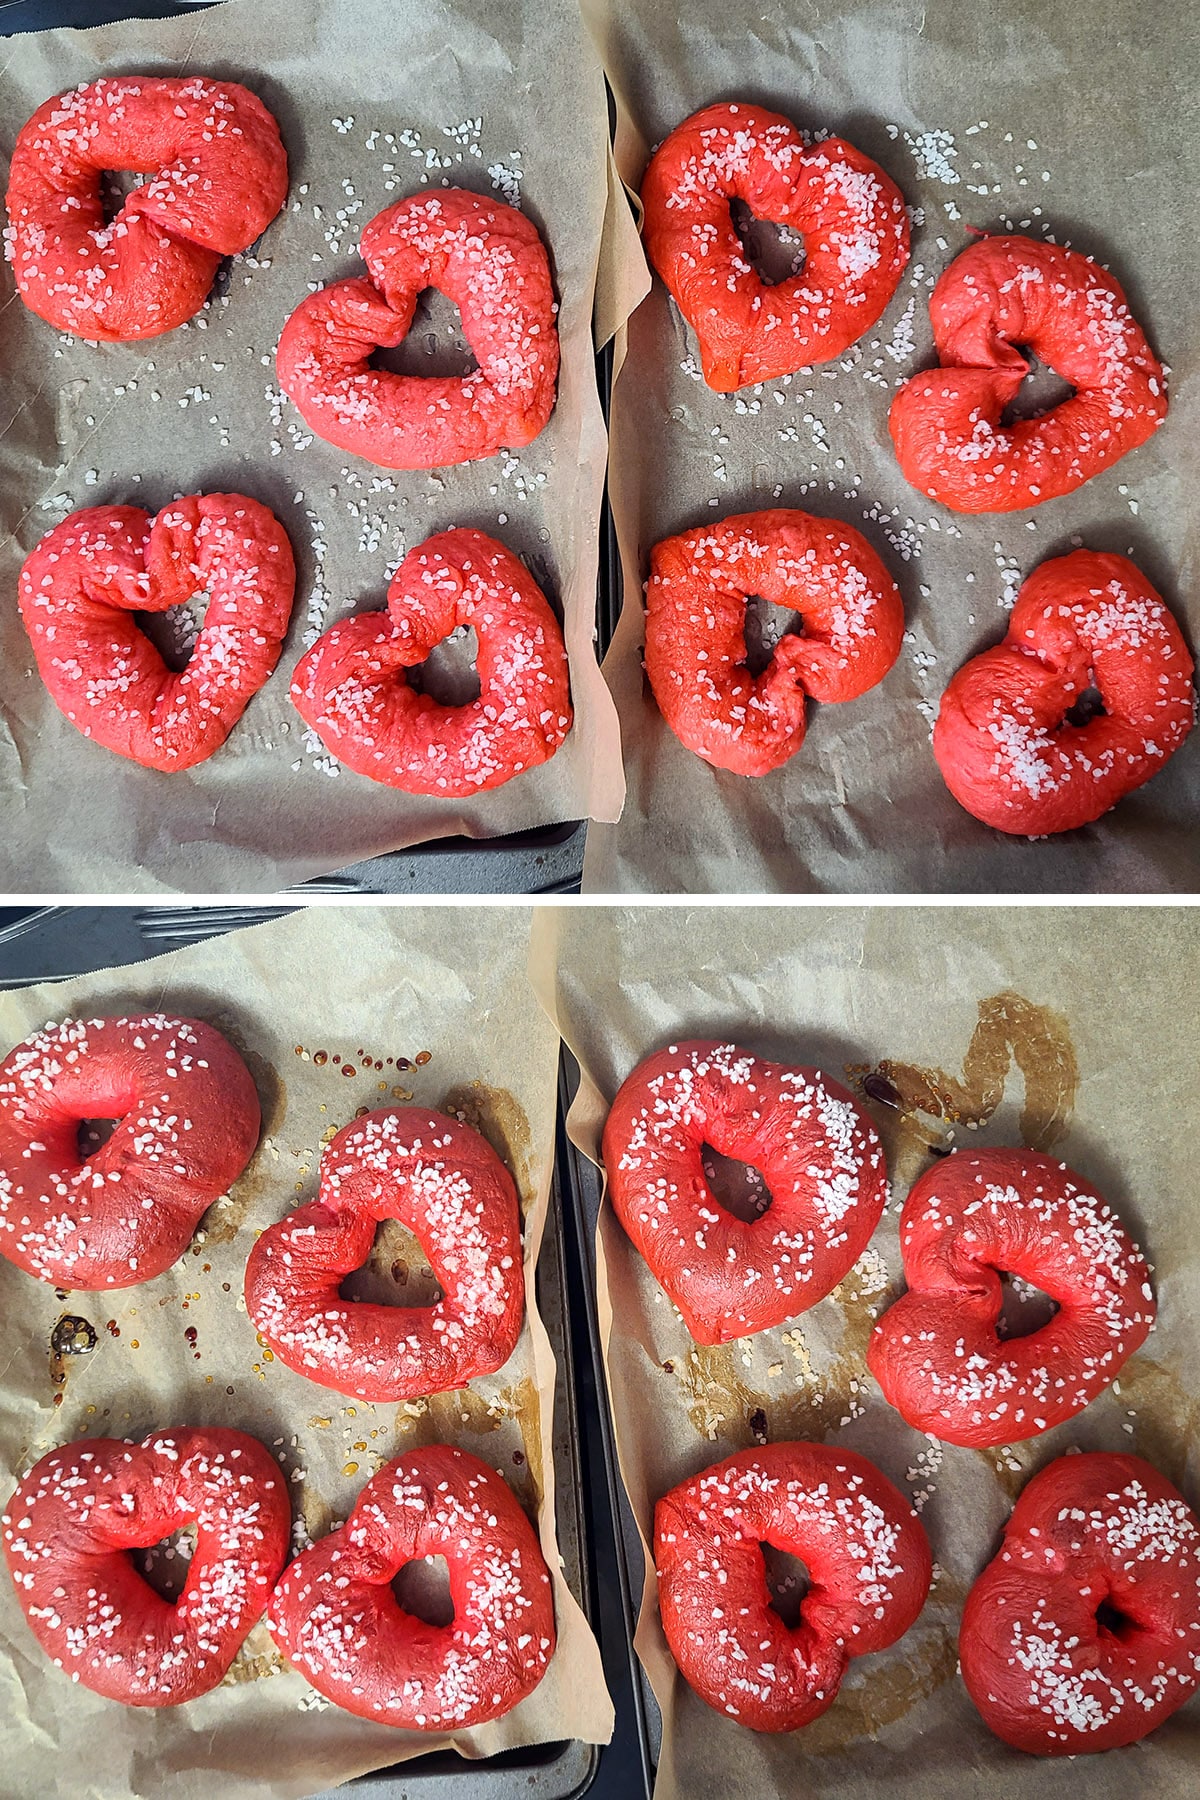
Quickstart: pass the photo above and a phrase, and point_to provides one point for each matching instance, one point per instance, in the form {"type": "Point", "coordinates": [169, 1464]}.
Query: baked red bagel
{"type": "Point", "coordinates": [815, 1149]}
{"type": "Point", "coordinates": [1003, 741]}
{"type": "Point", "coordinates": [84, 582]}
{"type": "Point", "coordinates": [488, 259]}
{"type": "Point", "coordinates": [849, 213]}
{"type": "Point", "coordinates": [352, 688]}
{"type": "Point", "coordinates": [334, 1614]}
{"type": "Point", "coordinates": [1047, 1673]}
{"type": "Point", "coordinates": [936, 1352]}
{"type": "Point", "coordinates": [447, 1185]}
{"type": "Point", "coordinates": [187, 1123]}
{"type": "Point", "coordinates": [1001, 297]}
{"type": "Point", "coordinates": [217, 176]}
{"type": "Point", "coordinates": [861, 1542]}
{"type": "Point", "coordinates": [696, 600]}
{"type": "Point", "coordinates": [78, 1513]}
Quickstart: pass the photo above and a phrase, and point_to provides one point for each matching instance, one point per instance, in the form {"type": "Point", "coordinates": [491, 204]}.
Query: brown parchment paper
{"type": "Point", "coordinates": [353, 984]}
{"type": "Point", "coordinates": [1075, 1031]}
{"type": "Point", "coordinates": [1078, 120]}
{"type": "Point", "coordinates": [375, 100]}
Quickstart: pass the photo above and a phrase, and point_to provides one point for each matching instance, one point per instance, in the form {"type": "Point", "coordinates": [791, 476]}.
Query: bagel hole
{"type": "Point", "coordinates": [1111, 1619]}
{"type": "Point", "coordinates": [788, 1581]}
{"type": "Point", "coordinates": [164, 1566]}
{"type": "Point", "coordinates": [737, 1187]}
{"type": "Point", "coordinates": [1090, 705]}
{"type": "Point", "coordinates": [435, 343]}
{"type": "Point", "coordinates": [174, 632]}
{"type": "Point", "coordinates": [449, 673]}
{"type": "Point", "coordinates": [395, 1273]}
{"type": "Point", "coordinates": [766, 624]}
{"type": "Point", "coordinates": [116, 185]}
{"type": "Point", "coordinates": [1040, 392]}
{"type": "Point", "coordinates": [422, 1589]}
{"type": "Point", "coordinates": [775, 252]}
{"type": "Point", "coordinates": [92, 1135]}
{"type": "Point", "coordinates": [1024, 1308]}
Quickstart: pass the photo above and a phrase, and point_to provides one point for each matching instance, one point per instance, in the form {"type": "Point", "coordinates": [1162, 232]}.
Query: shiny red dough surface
{"type": "Point", "coordinates": [1002, 740]}
{"type": "Point", "coordinates": [335, 1617]}
{"type": "Point", "coordinates": [936, 1353]}
{"type": "Point", "coordinates": [218, 177]}
{"type": "Point", "coordinates": [815, 1148]}
{"type": "Point", "coordinates": [849, 213]}
{"type": "Point", "coordinates": [700, 582]}
{"type": "Point", "coordinates": [1046, 1673]}
{"type": "Point", "coordinates": [84, 582]}
{"type": "Point", "coordinates": [447, 1185]}
{"type": "Point", "coordinates": [187, 1124]}
{"type": "Point", "coordinates": [69, 1527]}
{"type": "Point", "coordinates": [868, 1562]}
{"type": "Point", "coordinates": [351, 686]}
{"type": "Point", "coordinates": [488, 259]}
{"type": "Point", "coordinates": [1004, 295]}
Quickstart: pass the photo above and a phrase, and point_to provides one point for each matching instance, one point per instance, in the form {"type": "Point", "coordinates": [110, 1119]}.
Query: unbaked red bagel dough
{"type": "Point", "coordinates": [850, 214]}
{"type": "Point", "coordinates": [700, 583]}
{"type": "Point", "coordinates": [936, 1352]}
{"type": "Point", "coordinates": [351, 687]}
{"type": "Point", "coordinates": [1006, 748]}
{"type": "Point", "coordinates": [485, 256]}
{"type": "Point", "coordinates": [216, 177]}
{"type": "Point", "coordinates": [335, 1616]}
{"type": "Point", "coordinates": [814, 1147]}
{"type": "Point", "coordinates": [1048, 1671]}
{"type": "Point", "coordinates": [863, 1546]}
{"type": "Point", "coordinates": [187, 1121]}
{"type": "Point", "coordinates": [78, 1513]}
{"type": "Point", "coordinates": [1002, 297]}
{"type": "Point", "coordinates": [83, 584]}
{"type": "Point", "coordinates": [445, 1183]}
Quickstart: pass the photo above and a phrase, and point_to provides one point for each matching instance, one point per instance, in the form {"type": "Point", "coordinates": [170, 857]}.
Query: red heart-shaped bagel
{"type": "Point", "coordinates": [447, 1185]}
{"type": "Point", "coordinates": [863, 1546]}
{"type": "Point", "coordinates": [850, 214]}
{"type": "Point", "coordinates": [1001, 297]}
{"type": "Point", "coordinates": [351, 687]}
{"type": "Point", "coordinates": [488, 259]}
{"type": "Point", "coordinates": [335, 1617]}
{"type": "Point", "coordinates": [78, 1513]}
{"type": "Point", "coordinates": [187, 1121]}
{"type": "Point", "coordinates": [85, 580]}
{"type": "Point", "coordinates": [700, 582]}
{"type": "Point", "coordinates": [814, 1147]}
{"type": "Point", "coordinates": [1003, 740]}
{"type": "Point", "coordinates": [1083, 1633]}
{"type": "Point", "coordinates": [217, 177]}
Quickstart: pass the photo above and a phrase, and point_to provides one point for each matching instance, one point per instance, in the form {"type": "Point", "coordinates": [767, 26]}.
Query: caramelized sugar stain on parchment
{"type": "Point", "coordinates": [815, 1366]}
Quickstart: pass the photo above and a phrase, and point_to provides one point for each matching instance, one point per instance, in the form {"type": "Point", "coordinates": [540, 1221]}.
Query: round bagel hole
{"type": "Point", "coordinates": [395, 1273]}
{"type": "Point", "coordinates": [1111, 1619]}
{"type": "Point", "coordinates": [788, 1581]}
{"type": "Point", "coordinates": [775, 252]}
{"type": "Point", "coordinates": [116, 185]}
{"type": "Point", "coordinates": [450, 674]}
{"type": "Point", "coordinates": [435, 343]}
{"type": "Point", "coordinates": [1090, 705]}
{"type": "Point", "coordinates": [1039, 393]}
{"type": "Point", "coordinates": [1024, 1308]}
{"type": "Point", "coordinates": [737, 1187]}
{"type": "Point", "coordinates": [174, 632]}
{"type": "Point", "coordinates": [766, 624]}
{"type": "Point", "coordinates": [164, 1566]}
{"type": "Point", "coordinates": [92, 1135]}
{"type": "Point", "coordinates": [422, 1589]}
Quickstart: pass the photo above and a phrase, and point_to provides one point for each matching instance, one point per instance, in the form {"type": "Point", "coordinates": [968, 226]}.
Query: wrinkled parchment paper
{"type": "Point", "coordinates": [1080, 121]}
{"type": "Point", "coordinates": [1074, 1031]}
{"type": "Point", "coordinates": [376, 101]}
{"type": "Point", "coordinates": [347, 983]}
